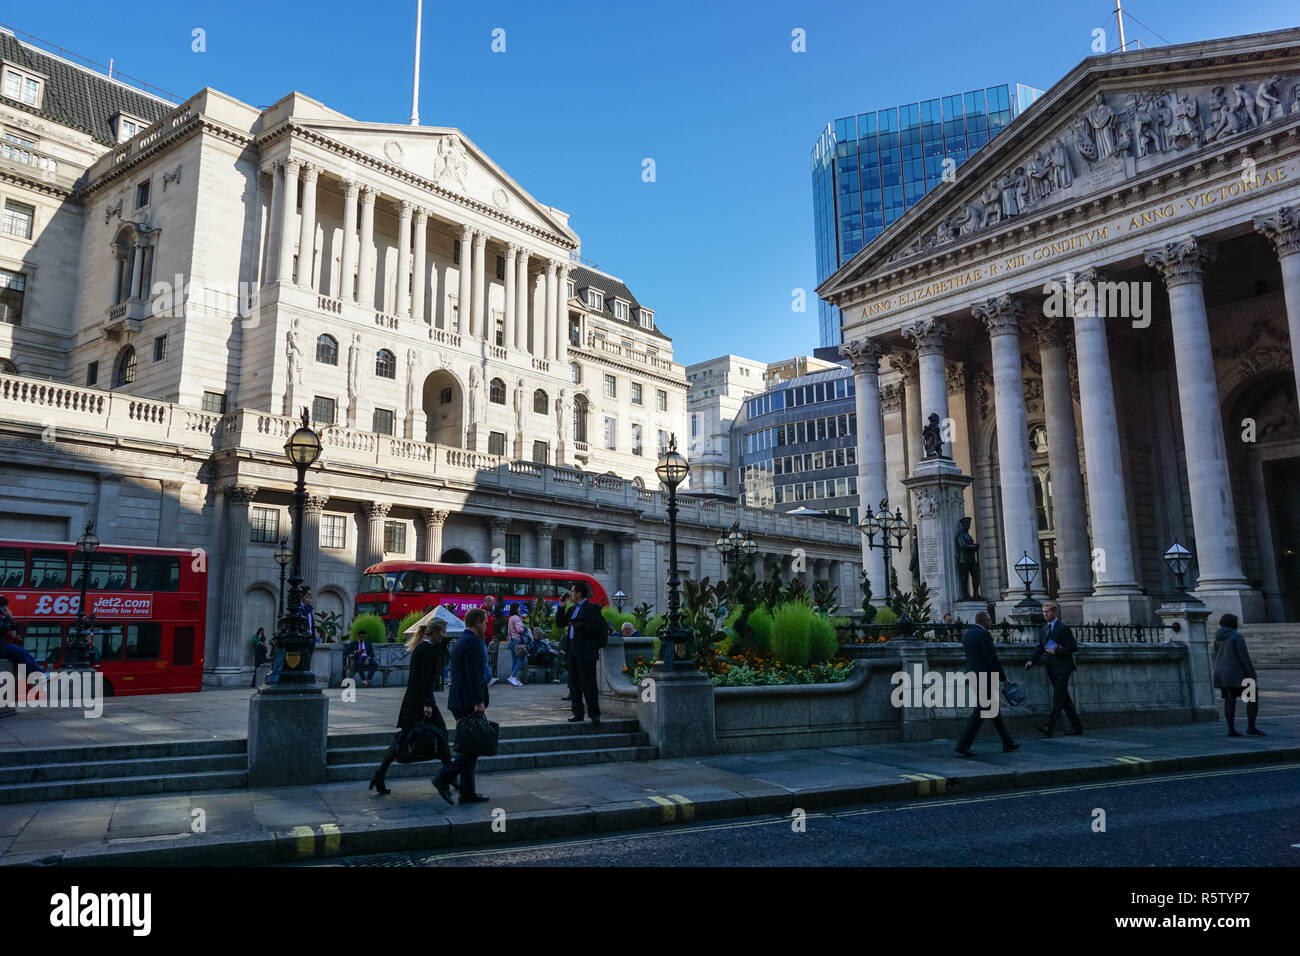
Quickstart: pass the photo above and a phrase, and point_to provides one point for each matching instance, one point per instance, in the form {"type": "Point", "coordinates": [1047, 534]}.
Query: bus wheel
{"type": "Point", "coordinates": [108, 689]}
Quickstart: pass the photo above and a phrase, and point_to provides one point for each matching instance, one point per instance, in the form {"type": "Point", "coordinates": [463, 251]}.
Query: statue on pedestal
{"type": "Point", "coordinates": [967, 563]}
{"type": "Point", "coordinates": [932, 438]}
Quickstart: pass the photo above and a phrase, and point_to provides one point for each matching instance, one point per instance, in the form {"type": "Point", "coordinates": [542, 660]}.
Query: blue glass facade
{"type": "Point", "coordinates": [867, 170]}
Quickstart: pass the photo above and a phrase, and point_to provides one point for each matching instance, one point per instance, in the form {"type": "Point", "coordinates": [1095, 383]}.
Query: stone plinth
{"type": "Point", "coordinates": [1190, 617]}
{"type": "Point", "coordinates": [938, 492]}
{"type": "Point", "coordinates": [679, 716]}
{"type": "Point", "coordinates": [287, 727]}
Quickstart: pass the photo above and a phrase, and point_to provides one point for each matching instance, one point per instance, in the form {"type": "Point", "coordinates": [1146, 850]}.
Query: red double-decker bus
{"type": "Point", "coordinates": [146, 608]}
{"type": "Point", "coordinates": [393, 589]}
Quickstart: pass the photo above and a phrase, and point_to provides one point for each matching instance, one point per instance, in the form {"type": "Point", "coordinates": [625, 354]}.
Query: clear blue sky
{"type": "Point", "coordinates": [585, 91]}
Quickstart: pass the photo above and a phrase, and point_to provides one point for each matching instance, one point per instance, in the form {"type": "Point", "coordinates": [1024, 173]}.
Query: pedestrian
{"type": "Point", "coordinates": [417, 703]}
{"type": "Point", "coordinates": [308, 611]}
{"type": "Point", "coordinates": [1056, 642]}
{"type": "Point", "coordinates": [982, 659]}
{"type": "Point", "coordinates": [363, 657]}
{"type": "Point", "coordinates": [1232, 669]}
{"type": "Point", "coordinates": [587, 632]}
{"type": "Point", "coordinates": [468, 695]}
{"type": "Point", "coordinates": [11, 648]}
{"type": "Point", "coordinates": [259, 652]}
{"type": "Point", "coordinates": [629, 629]}
{"type": "Point", "coordinates": [519, 642]}
{"type": "Point", "coordinates": [490, 609]}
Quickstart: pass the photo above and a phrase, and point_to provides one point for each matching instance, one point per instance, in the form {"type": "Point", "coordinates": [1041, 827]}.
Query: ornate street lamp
{"type": "Point", "coordinates": [282, 557]}
{"type": "Point", "coordinates": [1027, 568]}
{"type": "Point", "coordinates": [1179, 560]}
{"type": "Point", "coordinates": [736, 547]}
{"type": "Point", "coordinates": [887, 526]}
{"type": "Point", "coordinates": [672, 471]}
{"type": "Point", "coordinates": [303, 449]}
{"type": "Point", "coordinates": [619, 598]}
{"type": "Point", "coordinates": [79, 643]}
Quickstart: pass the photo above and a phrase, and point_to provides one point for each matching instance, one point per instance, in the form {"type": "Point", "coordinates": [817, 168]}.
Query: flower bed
{"type": "Point", "coordinates": [740, 670]}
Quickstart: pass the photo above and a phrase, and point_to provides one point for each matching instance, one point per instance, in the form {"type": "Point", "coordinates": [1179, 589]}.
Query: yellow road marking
{"type": "Point", "coordinates": [670, 808]}
{"type": "Point", "coordinates": [687, 807]}
{"type": "Point", "coordinates": [333, 838]}
{"type": "Point", "coordinates": [1135, 764]}
{"type": "Point", "coordinates": [304, 840]}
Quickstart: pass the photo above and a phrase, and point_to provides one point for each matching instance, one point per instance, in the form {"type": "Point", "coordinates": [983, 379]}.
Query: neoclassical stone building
{"type": "Point", "coordinates": [180, 280]}
{"type": "Point", "coordinates": [1103, 312]}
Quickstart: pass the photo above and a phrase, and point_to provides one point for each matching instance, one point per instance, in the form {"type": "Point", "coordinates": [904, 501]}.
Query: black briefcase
{"type": "Point", "coordinates": [424, 741]}
{"type": "Point", "coordinates": [476, 736]}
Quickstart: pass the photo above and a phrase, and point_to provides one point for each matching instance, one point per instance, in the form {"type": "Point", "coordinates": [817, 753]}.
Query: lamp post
{"type": "Point", "coordinates": [619, 598]}
{"type": "Point", "coordinates": [672, 471]}
{"type": "Point", "coordinates": [1027, 567]}
{"type": "Point", "coordinates": [79, 644]}
{"type": "Point", "coordinates": [282, 557]}
{"type": "Point", "coordinates": [887, 526]}
{"type": "Point", "coordinates": [1179, 560]}
{"type": "Point", "coordinates": [736, 547]}
{"type": "Point", "coordinates": [303, 449]}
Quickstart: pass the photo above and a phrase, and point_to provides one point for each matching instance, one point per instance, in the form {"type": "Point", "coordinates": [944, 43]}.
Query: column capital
{"type": "Point", "coordinates": [378, 509]}
{"type": "Point", "coordinates": [434, 517]}
{"type": "Point", "coordinates": [927, 335]}
{"type": "Point", "coordinates": [499, 523]}
{"type": "Point", "coordinates": [421, 215]}
{"type": "Point", "coordinates": [407, 208]}
{"type": "Point", "coordinates": [523, 253]}
{"type": "Point", "coordinates": [864, 354]}
{"type": "Point", "coordinates": [1282, 228]}
{"type": "Point", "coordinates": [546, 529]}
{"type": "Point", "coordinates": [314, 503]}
{"type": "Point", "coordinates": [1051, 333]}
{"type": "Point", "coordinates": [1087, 276]}
{"type": "Point", "coordinates": [291, 166]}
{"type": "Point", "coordinates": [629, 537]}
{"type": "Point", "coordinates": [466, 235]}
{"type": "Point", "coordinates": [1000, 315]}
{"type": "Point", "coordinates": [589, 534]}
{"type": "Point", "coordinates": [480, 239]}
{"type": "Point", "coordinates": [368, 195]}
{"type": "Point", "coordinates": [905, 363]}
{"type": "Point", "coordinates": [240, 494]}
{"type": "Point", "coordinates": [351, 189]}
{"type": "Point", "coordinates": [310, 173]}
{"type": "Point", "coordinates": [1180, 263]}
{"type": "Point", "coordinates": [512, 250]}
{"type": "Point", "coordinates": [552, 267]}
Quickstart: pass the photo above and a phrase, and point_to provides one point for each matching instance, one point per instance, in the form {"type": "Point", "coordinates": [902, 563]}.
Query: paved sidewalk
{"type": "Point", "coordinates": [253, 827]}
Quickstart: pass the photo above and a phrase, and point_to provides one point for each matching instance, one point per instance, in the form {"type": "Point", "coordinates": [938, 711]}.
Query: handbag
{"type": "Point", "coordinates": [424, 741]}
{"type": "Point", "coordinates": [476, 736]}
{"type": "Point", "coordinates": [1013, 692]}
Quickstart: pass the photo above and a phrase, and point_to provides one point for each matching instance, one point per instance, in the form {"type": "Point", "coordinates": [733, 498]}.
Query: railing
{"type": "Point", "coordinates": [444, 337]}
{"type": "Point", "coordinates": [385, 321]}
{"type": "Point", "coordinates": [528, 469]}
{"type": "Point", "coordinates": [1004, 632]}
{"type": "Point", "coordinates": [542, 365]}
{"type": "Point", "coordinates": [327, 304]}
{"type": "Point", "coordinates": [497, 352]}
{"type": "Point", "coordinates": [567, 476]}
{"type": "Point", "coordinates": [26, 156]}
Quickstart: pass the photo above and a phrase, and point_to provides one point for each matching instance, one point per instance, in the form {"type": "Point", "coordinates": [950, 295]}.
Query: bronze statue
{"type": "Point", "coordinates": [932, 438]}
{"type": "Point", "coordinates": [967, 563]}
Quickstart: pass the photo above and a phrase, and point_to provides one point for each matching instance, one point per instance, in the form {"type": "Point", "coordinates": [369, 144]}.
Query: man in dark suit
{"type": "Point", "coordinates": [982, 661]}
{"type": "Point", "coordinates": [585, 628]}
{"type": "Point", "coordinates": [363, 660]}
{"type": "Point", "coordinates": [468, 695]}
{"type": "Point", "coordinates": [1057, 644]}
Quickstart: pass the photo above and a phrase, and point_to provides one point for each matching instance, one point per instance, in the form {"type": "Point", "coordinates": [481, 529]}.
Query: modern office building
{"type": "Point", "coordinates": [867, 170]}
{"type": "Point", "coordinates": [716, 390]}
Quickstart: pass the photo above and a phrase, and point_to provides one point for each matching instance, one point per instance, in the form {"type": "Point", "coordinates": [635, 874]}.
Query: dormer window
{"type": "Point", "coordinates": [569, 289]}
{"type": "Point", "coordinates": [621, 310]}
{"type": "Point", "coordinates": [647, 318]}
{"type": "Point", "coordinates": [24, 86]}
{"type": "Point", "coordinates": [595, 301]}
{"type": "Point", "coordinates": [127, 127]}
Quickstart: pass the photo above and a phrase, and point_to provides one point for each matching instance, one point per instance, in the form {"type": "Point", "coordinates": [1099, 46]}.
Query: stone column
{"type": "Point", "coordinates": [234, 549]}
{"type": "Point", "coordinates": [108, 494]}
{"type": "Point", "coordinates": [1019, 521]}
{"type": "Point", "coordinates": [547, 349]}
{"type": "Point", "coordinates": [434, 519]}
{"type": "Point", "coordinates": [307, 228]}
{"type": "Point", "coordinates": [1073, 553]}
{"type": "Point", "coordinates": [928, 335]}
{"type": "Point", "coordinates": [545, 532]}
{"type": "Point", "coordinates": [522, 290]}
{"type": "Point", "coordinates": [309, 560]}
{"type": "Point", "coordinates": [1221, 584]}
{"type": "Point", "coordinates": [403, 300]}
{"type": "Point", "coordinates": [376, 512]}
{"type": "Point", "coordinates": [627, 566]}
{"type": "Point", "coordinates": [137, 269]}
{"type": "Point", "coordinates": [508, 335]}
{"type": "Point", "coordinates": [366, 268]}
{"type": "Point", "coordinates": [169, 507]}
{"type": "Point", "coordinates": [864, 355]}
{"type": "Point", "coordinates": [288, 205]}
{"type": "Point", "coordinates": [499, 525]}
{"type": "Point", "coordinates": [421, 264]}
{"type": "Point", "coordinates": [348, 281]}
{"type": "Point", "coordinates": [906, 364]}
{"type": "Point", "coordinates": [479, 328]}
{"type": "Point", "coordinates": [562, 315]}
{"type": "Point", "coordinates": [464, 294]}
{"type": "Point", "coordinates": [587, 550]}
{"type": "Point", "coordinates": [1283, 229]}
{"type": "Point", "coordinates": [275, 226]}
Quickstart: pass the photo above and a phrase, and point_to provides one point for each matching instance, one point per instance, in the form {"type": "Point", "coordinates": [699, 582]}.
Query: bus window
{"type": "Point", "coordinates": [414, 582]}
{"type": "Point", "coordinates": [437, 583]}
{"type": "Point", "coordinates": [107, 573]}
{"type": "Point", "coordinates": [155, 572]}
{"type": "Point", "coordinates": [42, 640]}
{"type": "Point", "coordinates": [13, 561]}
{"type": "Point", "coordinates": [108, 641]}
{"type": "Point", "coordinates": [370, 583]}
{"type": "Point", "coordinates": [49, 569]}
{"type": "Point", "coordinates": [143, 641]}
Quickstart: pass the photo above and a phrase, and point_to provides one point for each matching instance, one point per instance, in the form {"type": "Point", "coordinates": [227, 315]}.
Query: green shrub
{"type": "Point", "coordinates": [823, 643]}
{"type": "Point", "coordinates": [885, 615]}
{"type": "Point", "coordinates": [760, 632]}
{"type": "Point", "coordinates": [409, 620]}
{"type": "Point", "coordinates": [652, 626]}
{"type": "Point", "coordinates": [369, 626]}
{"type": "Point", "coordinates": [615, 620]}
{"type": "Point", "coordinates": [791, 633]}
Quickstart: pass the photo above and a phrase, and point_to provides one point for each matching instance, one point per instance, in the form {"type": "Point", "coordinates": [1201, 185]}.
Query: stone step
{"type": "Point", "coordinates": [508, 732]}
{"type": "Point", "coordinates": [82, 753]}
{"type": "Point", "coordinates": [580, 742]}
{"type": "Point", "coordinates": [138, 767]}
{"type": "Point", "coordinates": [123, 786]}
{"type": "Point", "coordinates": [338, 773]}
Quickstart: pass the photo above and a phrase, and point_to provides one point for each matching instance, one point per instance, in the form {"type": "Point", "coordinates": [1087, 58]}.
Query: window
{"type": "Point", "coordinates": [620, 310]}
{"type": "Point", "coordinates": [18, 218]}
{"type": "Point", "coordinates": [496, 443]}
{"type": "Point", "coordinates": [124, 368]}
{"type": "Point", "coordinates": [541, 453]}
{"type": "Point", "coordinates": [499, 322]}
{"type": "Point", "coordinates": [385, 364]}
{"type": "Point", "coordinates": [455, 252]}
{"type": "Point", "coordinates": [395, 537]}
{"type": "Point", "coordinates": [453, 309]}
{"type": "Point", "coordinates": [579, 420]}
{"type": "Point", "coordinates": [695, 426]}
{"type": "Point", "coordinates": [611, 387]}
{"type": "Point", "coordinates": [333, 531]}
{"type": "Point", "coordinates": [444, 397]}
{"type": "Point", "coordinates": [541, 404]}
{"type": "Point", "coordinates": [126, 129]}
{"type": "Point", "coordinates": [501, 268]}
{"type": "Point", "coordinates": [381, 421]}
{"type": "Point", "coordinates": [23, 86]}
{"type": "Point", "coordinates": [92, 373]}
{"type": "Point", "coordinates": [264, 525]}
{"type": "Point", "coordinates": [611, 433]}
{"type": "Point", "coordinates": [159, 348]}
{"type": "Point", "coordinates": [661, 398]}
{"type": "Point", "coordinates": [595, 301]}
{"type": "Point", "coordinates": [636, 393]}
{"type": "Point", "coordinates": [647, 319]}
{"type": "Point", "coordinates": [576, 369]}
{"type": "Point", "coordinates": [598, 556]}
{"type": "Point", "coordinates": [49, 569]}
{"type": "Point", "coordinates": [568, 288]}
{"type": "Point", "coordinates": [636, 439]}
{"type": "Point", "coordinates": [514, 549]}
{"type": "Point", "coordinates": [323, 410]}
{"type": "Point", "coordinates": [575, 332]}
{"type": "Point", "coordinates": [557, 552]}
{"type": "Point", "coordinates": [327, 350]}
{"type": "Point", "coordinates": [214, 402]}
{"type": "Point", "coordinates": [107, 572]}
{"type": "Point", "coordinates": [143, 641]}
{"type": "Point", "coordinates": [663, 442]}
{"type": "Point", "coordinates": [142, 194]}
{"type": "Point", "coordinates": [19, 138]}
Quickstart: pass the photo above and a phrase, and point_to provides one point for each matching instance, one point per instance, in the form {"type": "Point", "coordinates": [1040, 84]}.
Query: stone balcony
{"type": "Point", "coordinates": [602, 346]}
{"type": "Point", "coordinates": [35, 164]}
{"type": "Point", "coordinates": [125, 319]}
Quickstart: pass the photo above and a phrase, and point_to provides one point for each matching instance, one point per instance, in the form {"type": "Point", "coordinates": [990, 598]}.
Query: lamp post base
{"type": "Point", "coordinates": [287, 729]}
{"type": "Point", "coordinates": [678, 717]}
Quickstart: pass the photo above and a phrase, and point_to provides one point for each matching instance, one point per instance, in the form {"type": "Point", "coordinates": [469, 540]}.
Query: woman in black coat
{"type": "Point", "coordinates": [418, 704]}
{"type": "Point", "coordinates": [1232, 668]}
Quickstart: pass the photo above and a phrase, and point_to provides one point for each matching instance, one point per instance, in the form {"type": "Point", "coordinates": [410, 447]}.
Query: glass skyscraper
{"type": "Point", "coordinates": [867, 170]}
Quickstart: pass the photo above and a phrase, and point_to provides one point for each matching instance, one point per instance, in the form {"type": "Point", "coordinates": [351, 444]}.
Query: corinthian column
{"type": "Point", "coordinates": [421, 263]}
{"type": "Point", "coordinates": [366, 268]}
{"type": "Point", "coordinates": [906, 363]}
{"type": "Point", "coordinates": [288, 204]}
{"type": "Point", "coordinates": [1019, 522]}
{"type": "Point", "coordinates": [307, 233]}
{"type": "Point", "coordinates": [548, 334]}
{"type": "Point", "coordinates": [1283, 230]}
{"type": "Point", "coordinates": [434, 519]}
{"type": "Point", "coordinates": [562, 314]}
{"type": "Point", "coordinates": [230, 647]}
{"type": "Point", "coordinates": [928, 336]}
{"type": "Point", "coordinates": [865, 355]}
{"type": "Point", "coordinates": [376, 512]}
{"type": "Point", "coordinates": [479, 327]}
{"type": "Point", "coordinates": [464, 293]}
{"type": "Point", "coordinates": [545, 533]}
{"type": "Point", "coordinates": [403, 300]}
{"type": "Point", "coordinates": [309, 562]}
{"type": "Point", "coordinates": [348, 281]}
{"type": "Point", "coordinates": [508, 334]}
{"type": "Point", "coordinates": [522, 294]}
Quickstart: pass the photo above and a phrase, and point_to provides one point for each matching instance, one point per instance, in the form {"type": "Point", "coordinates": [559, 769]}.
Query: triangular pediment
{"type": "Point", "coordinates": [1112, 122]}
{"type": "Point", "coordinates": [445, 157]}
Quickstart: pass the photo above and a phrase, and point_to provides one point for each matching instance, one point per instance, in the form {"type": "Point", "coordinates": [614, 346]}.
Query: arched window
{"type": "Point", "coordinates": [497, 392]}
{"type": "Point", "coordinates": [576, 369]}
{"type": "Point", "coordinates": [541, 404]}
{"type": "Point", "coordinates": [327, 350]}
{"type": "Point", "coordinates": [580, 419]}
{"type": "Point", "coordinates": [386, 364]}
{"type": "Point", "coordinates": [124, 367]}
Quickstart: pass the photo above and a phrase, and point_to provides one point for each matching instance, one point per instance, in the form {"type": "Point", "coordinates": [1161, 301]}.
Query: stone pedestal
{"type": "Point", "coordinates": [1190, 619]}
{"type": "Point", "coordinates": [938, 494]}
{"type": "Point", "coordinates": [228, 676]}
{"type": "Point", "coordinates": [965, 611]}
{"type": "Point", "coordinates": [417, 423]}
{"type": "Point", "coordinates": [287, 727]}
{"type": "Point", "coordinates": [1115, 607]}
{"type": "Point", "coordinates": [917, 721]}
{"type": "Point", "coordinates": [679, 720]}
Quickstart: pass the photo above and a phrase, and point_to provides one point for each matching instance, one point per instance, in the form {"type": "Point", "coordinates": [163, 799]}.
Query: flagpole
{"type": "Point", "coordinates": [1119, 16]}
{"type": "Point", "coordinates": [415, 83]}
